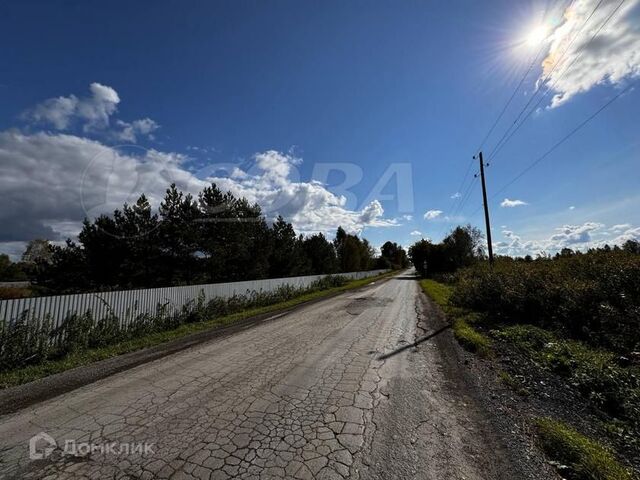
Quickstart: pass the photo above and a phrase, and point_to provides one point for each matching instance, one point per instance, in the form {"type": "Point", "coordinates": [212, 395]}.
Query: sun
{"type": "Point", "coordinates": [537, 35]}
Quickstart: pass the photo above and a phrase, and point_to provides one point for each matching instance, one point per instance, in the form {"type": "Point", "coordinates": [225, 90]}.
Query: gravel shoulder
{"type": "Point", "coordinates": [505, 411]}
{"type": "Point", "coordinates": [440, 420]}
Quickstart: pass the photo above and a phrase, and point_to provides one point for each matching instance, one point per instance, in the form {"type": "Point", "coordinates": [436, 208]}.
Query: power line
{"type": "Point", "coordinates": [526, 74]}
{"type": "Point", "coordinates": [461, 198]}
{"type": "Point", "coordinates": [502, 140]}
{"type": "Point", "coordinates": [475, 212]}
{"type": "Point", "coordinates": [498, 148]}
{"type": "Point", "coordinates": [458, 198]}
{"type": "Point", "coordinates": [464, 179]}
{"type": "Point", "coordinates": [465, 196]}
{"type": "Point", "coordinates": [458, 195]}
{"type": "Point", "coordinates": [504, 109]}
{"type": "Point", "coordinates": [564, 139]}
{"type": "Point", "coordinates": [508, 133]}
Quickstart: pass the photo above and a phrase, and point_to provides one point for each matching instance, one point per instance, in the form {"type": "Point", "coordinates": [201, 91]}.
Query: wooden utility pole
{"type": "Point", "coordinates": [486, 208]}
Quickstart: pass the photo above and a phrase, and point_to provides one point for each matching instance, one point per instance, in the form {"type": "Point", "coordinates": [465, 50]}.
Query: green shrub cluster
{"type": "Point", "coordinates": [594, 297]}
{"type": "Point", "coordinates": [29, 340]}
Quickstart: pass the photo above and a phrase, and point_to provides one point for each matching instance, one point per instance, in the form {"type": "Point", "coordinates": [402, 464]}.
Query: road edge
{"type": "Point", "coordinates": [475, 374]}
{"type": "Point", "coordinates": [16, 398]}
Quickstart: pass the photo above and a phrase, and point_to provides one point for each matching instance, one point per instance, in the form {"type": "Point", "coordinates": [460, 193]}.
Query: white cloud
{"type": "Point", "coordinates": [577, 237]}
{"type": "Point", "coordinates": [50, 182]}
{"type": "Point", "coordinates": [416, 233]}
{"type": "Point", "coordinates": [432, 214]}
{"type": "Point", "coordinates": [92, 113]}
{"type": "Point", "coordinates": [407, 217]}
{"type": "Point", "coordinates": [572, 234]}
{"type": "Point", "coordinates": [102, 104]}
{"type": "Point", "coordinates": [515, 246]}
{"type": "Point", "coordinates": [572, 207]}
{"type": "Point", "coordinates": [371, 212]}
{"type": "Point", "coordinates": [506, 203]}
{"type": "Point", "coordinates": [203, 150]}
{"type": "Point", "coordinates": [55, 111]}
{"type": "Point", "coordinates": [612, 57]}
{"type": "Point", "coordinates": [308, 205]}
{"type": "Point", "coordinates": [456, 195]}
{"type": "Point", "coordinates": [238, 173]}
{"type": "Point", "coordinates": [621, 227]}
{"type": "Point", "coordinates": [130, 131]}
{"type": "Point", "coordinates": [276, 166]}
{"type": "Point", "coordinates": [629, 234]}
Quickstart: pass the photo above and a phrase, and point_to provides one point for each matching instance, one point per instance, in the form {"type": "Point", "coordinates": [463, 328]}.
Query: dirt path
{"type": "Point", "coordinates": [304, 396]}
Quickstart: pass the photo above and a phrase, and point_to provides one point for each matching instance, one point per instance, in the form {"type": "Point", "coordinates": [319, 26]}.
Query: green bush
{"type": "Point", "coordinates": [594, 297]}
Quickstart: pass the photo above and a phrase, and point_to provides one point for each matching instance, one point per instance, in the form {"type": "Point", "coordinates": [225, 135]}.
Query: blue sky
{"type": "Point", "coordinates": [277, 94]}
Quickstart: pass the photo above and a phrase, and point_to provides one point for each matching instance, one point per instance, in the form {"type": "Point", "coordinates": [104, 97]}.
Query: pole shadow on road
{"type": "Point", "coordinates": [414, 344]}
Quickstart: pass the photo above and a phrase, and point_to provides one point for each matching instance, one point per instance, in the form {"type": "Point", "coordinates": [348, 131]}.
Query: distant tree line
{"type": "Point", "coordinates": [461, 248]}
{"type": "Point", "coordinates": [630, 246]}
{"type": "Point", "coordinates": [11, 271]}
{"type": "Point", "coordinates": [214, 237]}
{"type": "Point", "coordinates": [393, 256]}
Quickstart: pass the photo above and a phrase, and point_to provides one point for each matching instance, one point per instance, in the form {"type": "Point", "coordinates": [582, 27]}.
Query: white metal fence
{"type": "Point", "coordinates": [124, 303]}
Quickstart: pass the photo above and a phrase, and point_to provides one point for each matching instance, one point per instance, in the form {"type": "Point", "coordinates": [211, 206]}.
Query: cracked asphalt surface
{"type": "Point", "coordinates": [304, 396]}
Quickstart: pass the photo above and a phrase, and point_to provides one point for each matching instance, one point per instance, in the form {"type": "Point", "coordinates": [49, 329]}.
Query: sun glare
{"type": "Point", "coordinates": [537, 35]}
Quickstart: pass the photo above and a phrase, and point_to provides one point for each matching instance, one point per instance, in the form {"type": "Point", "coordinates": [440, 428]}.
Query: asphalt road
{"type": "Point", "coordinates": [304, 396]}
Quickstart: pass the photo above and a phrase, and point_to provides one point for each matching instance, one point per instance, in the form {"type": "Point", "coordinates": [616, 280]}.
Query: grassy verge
{"type": "Point", "coordinates": [587, 459]}
{"type": "Point", "coordinates": [19, 376]}
{"type": "Point", "coordinates": [596, 374]}
{"type": "Point", "coordinates": [461, 319]}
{"type": "Point", "coordinates": [439, 292]}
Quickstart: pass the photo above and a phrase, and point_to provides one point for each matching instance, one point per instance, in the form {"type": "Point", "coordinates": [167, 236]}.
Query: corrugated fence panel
{"type": "Point", "coordinates": [128, 304]}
